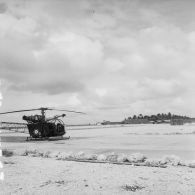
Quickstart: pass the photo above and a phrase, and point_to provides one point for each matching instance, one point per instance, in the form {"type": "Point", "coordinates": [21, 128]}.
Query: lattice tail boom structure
{"type": "Point", "coordinates": [16, 127]}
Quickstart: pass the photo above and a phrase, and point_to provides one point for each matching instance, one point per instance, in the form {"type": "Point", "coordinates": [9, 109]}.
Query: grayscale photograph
{"type": "Point", "coordinates": [97, 97]}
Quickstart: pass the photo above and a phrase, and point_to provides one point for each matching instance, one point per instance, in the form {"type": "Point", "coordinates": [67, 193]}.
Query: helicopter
{"type": "Point", "coordinates": [40, 127]}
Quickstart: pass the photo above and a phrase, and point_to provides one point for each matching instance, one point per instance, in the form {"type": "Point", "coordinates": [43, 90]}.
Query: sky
{"type": "Point", "coordinates": [109, 58]}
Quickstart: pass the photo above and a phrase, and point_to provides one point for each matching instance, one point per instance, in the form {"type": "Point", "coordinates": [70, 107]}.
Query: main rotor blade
{"type": "Point", "coordinates": [19, 111]}
{"type": "Point", "coordinates": [66, 110]}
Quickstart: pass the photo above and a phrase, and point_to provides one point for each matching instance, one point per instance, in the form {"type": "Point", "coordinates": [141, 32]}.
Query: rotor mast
{"type": "Point", "coordinates": [43, 113]}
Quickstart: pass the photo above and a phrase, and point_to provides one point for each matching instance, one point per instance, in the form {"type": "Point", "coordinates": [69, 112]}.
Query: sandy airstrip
{"type": "Point", "coordinates": [38, 175]}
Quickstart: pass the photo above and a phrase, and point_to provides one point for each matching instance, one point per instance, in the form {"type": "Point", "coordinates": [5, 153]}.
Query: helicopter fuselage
{"type": "Point", "coordinates": [45, 129]}
{"type": "Point", "coordinates": [40, 127]}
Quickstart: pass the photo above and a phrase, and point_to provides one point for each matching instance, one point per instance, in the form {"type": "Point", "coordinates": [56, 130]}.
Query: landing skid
{"type": "Point", "coordinates": [47, 138]}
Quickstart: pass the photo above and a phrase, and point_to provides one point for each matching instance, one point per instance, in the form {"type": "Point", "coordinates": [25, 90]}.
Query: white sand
{"type": "Point", "coordinates": [33, 175]}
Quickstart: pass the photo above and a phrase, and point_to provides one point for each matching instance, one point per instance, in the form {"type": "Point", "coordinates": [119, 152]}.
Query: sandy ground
{"type": "Point", "coordinates": [34, 175]}
{"type": "Point", "coordinates": [153, 141]}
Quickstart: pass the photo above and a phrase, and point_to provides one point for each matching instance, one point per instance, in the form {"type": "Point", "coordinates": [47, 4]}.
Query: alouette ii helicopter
{"type": "Point", "coordinates": [40, 127]}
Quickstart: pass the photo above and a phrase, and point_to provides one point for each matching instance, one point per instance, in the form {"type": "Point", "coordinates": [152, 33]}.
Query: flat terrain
{"type": "Point", "coordinates": [35, 175]}
{"type": "Point", "coordinates": [151, 140]}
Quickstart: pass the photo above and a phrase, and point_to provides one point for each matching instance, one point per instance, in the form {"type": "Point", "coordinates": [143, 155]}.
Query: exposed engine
{"type": "Point", "coordinates": [33, 118]}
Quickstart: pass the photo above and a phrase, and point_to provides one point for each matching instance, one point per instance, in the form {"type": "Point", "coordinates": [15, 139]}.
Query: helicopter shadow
{"type": "Point", "coordinates": [22, 139]}
{"type": "Point", "coordinates": [13, 139]}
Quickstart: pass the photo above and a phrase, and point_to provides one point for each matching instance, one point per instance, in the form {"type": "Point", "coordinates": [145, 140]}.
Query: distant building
{"type": "Point", "coordinates": [135, 121]}
{"type": "Point", "coordinates": [177, 121]}
{"type": "Point", "coordinates": [110, 123]}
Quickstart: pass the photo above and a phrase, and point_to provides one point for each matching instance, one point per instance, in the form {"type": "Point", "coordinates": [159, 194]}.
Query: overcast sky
{"type": "Point", "coordinates": [111, 59]}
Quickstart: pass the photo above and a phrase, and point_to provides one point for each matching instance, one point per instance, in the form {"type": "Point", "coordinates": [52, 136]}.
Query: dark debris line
{"type": "Point", "coordinates": [132, 188]}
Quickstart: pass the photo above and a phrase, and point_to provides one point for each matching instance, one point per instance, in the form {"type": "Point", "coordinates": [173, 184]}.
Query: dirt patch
{"type": "Point", "coordinates": [132, 188]}
{"type": "Point", "coordinates": [58, 182]}
{"type": "Point", "coordinates": [8, 162]}
{"type": "Point", "coordinates": [7, 153]}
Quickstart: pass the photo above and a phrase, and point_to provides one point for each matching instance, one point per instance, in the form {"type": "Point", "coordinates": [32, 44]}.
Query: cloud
{"type": "Point", "coordinates": [130, 56]}
{"type": "Point", "coordinates": [3, 8]}
{"type": "Point", "coordinates": [54, 63]}
{"type": "Point", "coordinates": [101, 92]}
{"type": "Point", "coordinates": [1, 97]}
{"type": "Point", "coordinates": [49, 87]}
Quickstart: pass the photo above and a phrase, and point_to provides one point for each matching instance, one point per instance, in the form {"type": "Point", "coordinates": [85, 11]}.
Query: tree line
{"type": "Point", "coordinates": [159, 116]}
